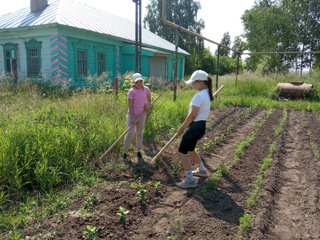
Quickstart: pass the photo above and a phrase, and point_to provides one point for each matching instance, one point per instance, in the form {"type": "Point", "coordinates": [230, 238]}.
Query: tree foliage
{"type": "Point", "coordinates": [294, 23]}
{"type": "Point", "coordinates": [239, 45]}
{"type": "Point", "coordinates": [183, 13]}
{"type": "Point", "coordinates": [226, 41]}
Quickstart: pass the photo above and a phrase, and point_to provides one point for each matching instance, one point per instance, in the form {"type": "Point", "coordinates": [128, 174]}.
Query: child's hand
{"type": "Point", "coordinates": [132, 121]}
{"type": "Point", "coordinates": [180, 130]}
{"type": "Point", "coordinates": [147, 106]}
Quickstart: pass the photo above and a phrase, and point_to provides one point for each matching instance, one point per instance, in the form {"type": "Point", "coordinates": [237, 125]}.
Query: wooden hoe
{"type": "Point", "coordinates": [174, 136]}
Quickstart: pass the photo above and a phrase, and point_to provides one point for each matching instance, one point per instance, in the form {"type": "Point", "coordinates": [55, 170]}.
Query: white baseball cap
{"type": "Point", "coordinates": [198, 75]}
{"type": "Point", "coordinates": [136, 77]}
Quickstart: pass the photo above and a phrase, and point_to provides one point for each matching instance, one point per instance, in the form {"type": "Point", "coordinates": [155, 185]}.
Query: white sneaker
{"type": "Point", "coordinates": [200, 173]}
{"type": "Point", "coordinates": [187, 184]}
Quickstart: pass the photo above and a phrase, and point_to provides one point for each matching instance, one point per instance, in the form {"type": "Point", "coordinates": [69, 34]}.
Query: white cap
{"type": "Point", "coordinates": [136, 77]}
{"type": "Point", "coordinates": [198, 75]}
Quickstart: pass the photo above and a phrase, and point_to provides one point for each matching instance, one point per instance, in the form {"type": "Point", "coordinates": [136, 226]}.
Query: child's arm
{"type": "Point", "coordinates": [148, 104]}
{"type": "Point", "coordinates": [189, 119]}
{"type": "Point", "coordinates": [130, 103]}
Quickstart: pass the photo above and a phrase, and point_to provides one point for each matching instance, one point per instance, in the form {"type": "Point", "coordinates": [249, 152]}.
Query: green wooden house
{"type": "Point", "coordinates": [66, 40]}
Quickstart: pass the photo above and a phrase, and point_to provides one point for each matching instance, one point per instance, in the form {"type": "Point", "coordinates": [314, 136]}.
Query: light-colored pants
{"type": "Point", "coordinates": [139, 131]}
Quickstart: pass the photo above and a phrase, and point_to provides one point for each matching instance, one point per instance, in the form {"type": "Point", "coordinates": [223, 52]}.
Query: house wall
{"type": "Point", "coordinates": [20, 38]}
{"type": "Point", "coordinates": [129, 60]}
{"type": "Point", "coordinates": [170, 68]}
{"type": "Point", "coordinates": [58, 53]}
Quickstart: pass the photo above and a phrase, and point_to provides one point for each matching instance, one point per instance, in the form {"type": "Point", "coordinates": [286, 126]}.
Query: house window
{"type": "Point", "coordinates": [82, 63]}
{"type": "Point", "coordinates": [33, 48]}
{"type": "Point", "coordinates": [101, 59]}
{"type": "Point", "coordinates": [34, 66]}
{"type": "Point", "coordinates": [9, 54]}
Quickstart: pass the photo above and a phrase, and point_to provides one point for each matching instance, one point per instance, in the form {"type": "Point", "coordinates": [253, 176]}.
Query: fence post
{"type": "Point", "coordinates": [217, 76]}
{"type": "Point", "coordinates": [176, 67]}
{"type": "Point", "coordinates": [15, 75]}
{"type": "Point", "coordinates": [115, 85]}
{"type": "Point", "coordinates": [237, 68]}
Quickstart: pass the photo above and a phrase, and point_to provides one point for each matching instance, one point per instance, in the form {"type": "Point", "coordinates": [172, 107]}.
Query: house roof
{"type": "Point", "coordinates": [79, 15]}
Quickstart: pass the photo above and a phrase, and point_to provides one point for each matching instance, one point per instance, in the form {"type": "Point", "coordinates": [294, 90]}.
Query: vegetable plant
{"type": "Point", "coordinates": [142, 193]}
{"type": "Point", "coordinates": [122, 213]}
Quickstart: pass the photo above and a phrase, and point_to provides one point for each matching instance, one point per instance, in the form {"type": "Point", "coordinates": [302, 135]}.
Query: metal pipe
{"type": "Point", "coordinates": [237, 68]}
{"type": "Point", "coordinates": [164, 13]}
{"type": "Point", "coordinates": [140, 35]}
{"type": "Point", "coordinates": [273, 53]}
{"type": "Point", "coordinates": [136, 44]}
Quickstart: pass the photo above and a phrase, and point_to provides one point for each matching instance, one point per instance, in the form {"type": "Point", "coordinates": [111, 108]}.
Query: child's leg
{"type": "Point", "coordinates": [185, 162]}
{"type": "Point", "coordinates": [129, 134]}
{"type": "Point", "coordinates": [186, 166]}
{"type": "Point", "coordinates": [195, 157]}
{"type": "Point", "coordinates": [139, 131]}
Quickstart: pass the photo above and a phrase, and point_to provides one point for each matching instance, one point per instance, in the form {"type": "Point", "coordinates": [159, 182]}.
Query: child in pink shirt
{"type": "Point", "coordinates": [139, 100]}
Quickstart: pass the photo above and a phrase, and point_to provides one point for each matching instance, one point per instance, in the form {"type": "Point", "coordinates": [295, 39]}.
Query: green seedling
{"type": "Point", "coordinates": [245, 223]}
{"type": "Point", "coordinates": [230, 128]}
{"type": "Point", "coordinates": [157, 185]}
{"type": "Point", "coordinates": [142, 193]}
{"type": "Point", "coordinates": [216, 141]}
{"type": "Point", "coordinates": [91, 202]}
{"type": "Point", "coordinates": [133, 185]}
{"type": "Point", "coordinates": [122, 213]}
{"type": "Point", "coordinates": [175, 169]}
{"type": "Point", "coordinates": [204, 190]}
{"type": "Point", "coordinates": [272, 148]}
{"type": "Point", "coordinates": [207, 145]}
{"type": "Point", "coordinates": [222, 138]}
{"type": "Point", "coordinates": [89, 233]}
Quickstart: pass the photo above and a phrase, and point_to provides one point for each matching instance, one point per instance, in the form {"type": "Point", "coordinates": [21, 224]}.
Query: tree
{"type": "Point", "coordinates": [294, 23]}
{"type": "Point", "coordinates": [226, 41]}
{"type": "Point", "coordinates": [238, 45]}
{"type": "Point", "coordinates": [183, 13]}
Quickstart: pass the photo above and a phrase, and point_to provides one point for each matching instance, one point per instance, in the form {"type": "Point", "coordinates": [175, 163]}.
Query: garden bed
{"type": "Point", "coordinates": [287, 206]}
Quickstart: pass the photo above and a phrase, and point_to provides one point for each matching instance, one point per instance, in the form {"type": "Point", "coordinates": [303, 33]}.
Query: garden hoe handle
{"type": "Point", "coordinates": [126, 131]}
{"type": "Point", "coordinates": [155, 158]}
{"type": "Point", "coordinates": [220, 88]}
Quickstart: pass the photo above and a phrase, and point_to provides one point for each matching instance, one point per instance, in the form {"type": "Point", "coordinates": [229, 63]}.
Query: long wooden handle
{"type": "Point", "coordinates": [155, 158]}
{"type": "Point", "coordinates": [126, 131]}
{"type": "Point", "coordinates": [220, 88]}
{"type": "Point", "coordinates": [168, 143]}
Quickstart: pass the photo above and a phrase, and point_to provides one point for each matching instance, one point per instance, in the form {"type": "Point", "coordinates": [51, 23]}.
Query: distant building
{"type": "Point", "coordinates": [66, 39]}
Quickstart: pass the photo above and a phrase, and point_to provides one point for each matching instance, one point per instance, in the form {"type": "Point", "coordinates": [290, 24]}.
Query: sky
{"type": "Point", "coordinates": [220, 16]}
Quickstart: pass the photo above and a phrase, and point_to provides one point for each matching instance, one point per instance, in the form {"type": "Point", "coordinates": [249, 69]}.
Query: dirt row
{"type": "Point", "coordinates": [288, 200]}
{"type": "Point", "coordinates": [288, 206]}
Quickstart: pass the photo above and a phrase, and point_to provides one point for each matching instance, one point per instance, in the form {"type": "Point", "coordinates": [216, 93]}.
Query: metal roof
{"type": "Point", "coordinates": [79, 15]}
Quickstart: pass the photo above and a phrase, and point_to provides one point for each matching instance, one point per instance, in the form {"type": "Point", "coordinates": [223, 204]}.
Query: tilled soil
{"type": "Point", "coordinates": [287, 207]}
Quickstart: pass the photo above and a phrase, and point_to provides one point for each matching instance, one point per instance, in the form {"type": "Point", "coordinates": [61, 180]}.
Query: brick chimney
{"type": "Point", "coordinates": [37, 5]}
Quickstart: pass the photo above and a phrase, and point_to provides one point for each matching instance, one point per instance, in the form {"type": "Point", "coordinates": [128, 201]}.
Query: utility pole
{"type": "Point", "coordinates": [138, 30]}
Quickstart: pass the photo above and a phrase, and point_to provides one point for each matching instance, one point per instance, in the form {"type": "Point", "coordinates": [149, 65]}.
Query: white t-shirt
{"type": "Point", "coordinates": [202, 100]}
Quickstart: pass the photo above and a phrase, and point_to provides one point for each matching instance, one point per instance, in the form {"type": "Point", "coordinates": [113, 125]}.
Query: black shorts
{"type": "Point", "coordinates": [189, 140]}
